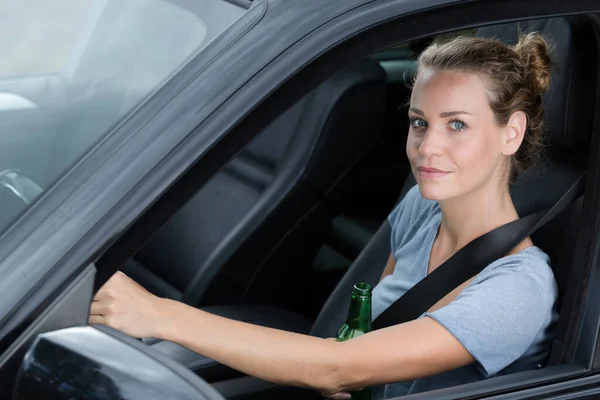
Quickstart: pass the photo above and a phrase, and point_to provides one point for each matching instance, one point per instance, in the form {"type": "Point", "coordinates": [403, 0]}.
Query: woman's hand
{"type": "Point", "coordinates": [126, 306]}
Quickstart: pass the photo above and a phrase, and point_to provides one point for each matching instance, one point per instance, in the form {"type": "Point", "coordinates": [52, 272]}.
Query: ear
{"type": "Point", "coordinates": [514, 132]}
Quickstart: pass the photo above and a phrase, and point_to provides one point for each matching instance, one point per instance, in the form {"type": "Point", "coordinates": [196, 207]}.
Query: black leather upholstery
{"type": "Point", "coordinates": [252, 232]}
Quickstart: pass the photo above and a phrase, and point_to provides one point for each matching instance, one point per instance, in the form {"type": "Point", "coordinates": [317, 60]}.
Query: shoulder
{"type": "Point", "coordinates": [522, 285]}
{"type": "Point", "coordinates": [530, 268]}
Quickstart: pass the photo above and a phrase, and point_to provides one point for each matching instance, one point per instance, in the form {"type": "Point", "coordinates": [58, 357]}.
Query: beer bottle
{"type": "Point", "coordinates": [358, 323]}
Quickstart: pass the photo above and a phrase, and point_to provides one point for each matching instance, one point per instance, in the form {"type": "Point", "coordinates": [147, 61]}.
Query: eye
{"type": "Point", "coordinates": [458, 125]}
{"type": "Point", "coordinates": [418, 123]}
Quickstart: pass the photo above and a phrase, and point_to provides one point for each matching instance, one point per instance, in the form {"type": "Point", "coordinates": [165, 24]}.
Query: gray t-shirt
{"type": "Point", "coordinates": [505, 317]}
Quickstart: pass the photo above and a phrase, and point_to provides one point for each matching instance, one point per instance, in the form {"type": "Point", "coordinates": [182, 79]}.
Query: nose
{"type": "Point", "coordinates": [432, 143]}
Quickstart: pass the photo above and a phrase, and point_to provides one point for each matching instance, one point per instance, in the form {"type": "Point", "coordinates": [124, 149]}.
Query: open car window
{"type": "Point", "coordinates": [72, 70]}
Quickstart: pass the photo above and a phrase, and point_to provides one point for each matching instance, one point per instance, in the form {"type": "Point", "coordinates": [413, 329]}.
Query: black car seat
{"type": "Point", "coordinates": [570, 105]}
{"type": "Point", "coordinates": [250, 234]}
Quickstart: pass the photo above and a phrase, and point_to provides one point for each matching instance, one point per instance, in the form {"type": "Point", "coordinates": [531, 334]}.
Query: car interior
{"type": "Point", "coordinates": [281, 234]}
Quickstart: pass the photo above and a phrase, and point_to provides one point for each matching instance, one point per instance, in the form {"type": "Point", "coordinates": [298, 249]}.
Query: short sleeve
{"type": "Point", "coordinates": [498, 317]}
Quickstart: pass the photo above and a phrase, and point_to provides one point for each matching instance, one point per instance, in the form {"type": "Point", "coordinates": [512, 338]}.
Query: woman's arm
{"type": "Point", "coordinates": [409, 351]}
{"type": "Point", "coordinates": [403, 352]}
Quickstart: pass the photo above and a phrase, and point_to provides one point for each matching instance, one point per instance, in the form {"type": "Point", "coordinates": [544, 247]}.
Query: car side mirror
{"type": "Point", "coordinates": [100, 363]}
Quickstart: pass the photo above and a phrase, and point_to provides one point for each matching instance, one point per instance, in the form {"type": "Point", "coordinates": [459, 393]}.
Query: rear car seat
{"type": "Point", "coordinates": [570, 103]}
{"type": "Point", "coordinates": [250, 235]}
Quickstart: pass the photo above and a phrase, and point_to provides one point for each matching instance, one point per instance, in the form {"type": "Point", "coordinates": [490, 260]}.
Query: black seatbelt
{"type": "Point", "coordinates": [470, 261]}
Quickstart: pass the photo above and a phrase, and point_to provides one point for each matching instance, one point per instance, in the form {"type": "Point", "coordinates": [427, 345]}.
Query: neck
{"type": "Point", "coordinates": [469, 216]}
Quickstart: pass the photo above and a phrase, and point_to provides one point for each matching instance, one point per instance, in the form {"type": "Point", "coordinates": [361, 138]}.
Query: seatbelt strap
{"type": "Point", "coordinates": [470, 261]}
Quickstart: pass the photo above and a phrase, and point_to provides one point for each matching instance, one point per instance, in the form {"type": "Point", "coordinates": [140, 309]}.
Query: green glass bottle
{"type": "Point", "coordinates": [358, 323]}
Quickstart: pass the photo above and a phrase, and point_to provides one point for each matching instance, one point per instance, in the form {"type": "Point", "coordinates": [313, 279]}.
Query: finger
{"type": "Point", "coordinates": [98, 308]}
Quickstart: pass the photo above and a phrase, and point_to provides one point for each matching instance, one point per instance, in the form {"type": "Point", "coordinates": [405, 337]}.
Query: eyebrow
{"type": "Point", "coordinates": [446, 114]}
{"type": "Point", "coordinates": [453, 113]}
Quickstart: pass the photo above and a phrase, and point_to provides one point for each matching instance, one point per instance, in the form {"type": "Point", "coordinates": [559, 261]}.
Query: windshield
{"type": "Point", "coordinates": [72, 69]}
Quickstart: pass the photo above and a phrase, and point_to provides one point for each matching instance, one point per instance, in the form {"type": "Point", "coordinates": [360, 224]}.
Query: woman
{"type": "Point", "coordinates": [475, 122]}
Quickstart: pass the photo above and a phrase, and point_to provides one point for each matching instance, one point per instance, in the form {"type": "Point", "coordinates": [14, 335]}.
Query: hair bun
{"type": "Point", "coordinates": [534, 51]}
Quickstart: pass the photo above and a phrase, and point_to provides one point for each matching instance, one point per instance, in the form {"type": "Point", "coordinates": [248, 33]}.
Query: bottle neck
{"type": "Point", "coordinates": [359, 314]}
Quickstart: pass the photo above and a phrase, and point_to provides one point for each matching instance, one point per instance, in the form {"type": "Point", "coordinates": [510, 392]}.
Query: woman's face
{"type": "Point", "coordinates": [454, 145]}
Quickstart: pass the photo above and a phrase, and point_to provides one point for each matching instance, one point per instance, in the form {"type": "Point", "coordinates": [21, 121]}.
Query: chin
{"type": "Point", "coordinates": [433, 191]}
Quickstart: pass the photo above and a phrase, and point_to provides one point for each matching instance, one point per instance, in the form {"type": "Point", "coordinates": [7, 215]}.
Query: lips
{"type": "Point", "coordinates": [428, 172]}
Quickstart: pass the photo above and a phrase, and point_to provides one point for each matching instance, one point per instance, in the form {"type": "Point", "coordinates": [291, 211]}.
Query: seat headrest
{"type": "Point", "coordinates": [569, 103]}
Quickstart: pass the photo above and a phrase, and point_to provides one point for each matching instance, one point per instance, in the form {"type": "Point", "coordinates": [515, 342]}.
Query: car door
{"type": "Point", "coordinates": [103, 209]}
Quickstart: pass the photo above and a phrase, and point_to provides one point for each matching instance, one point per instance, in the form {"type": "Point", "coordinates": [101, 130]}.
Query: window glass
{"type": "Point", "coordinates": [48, 44]}
{"type": "Point", "coordinates": [72, 69]}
